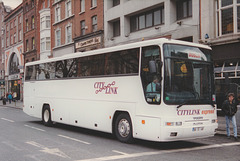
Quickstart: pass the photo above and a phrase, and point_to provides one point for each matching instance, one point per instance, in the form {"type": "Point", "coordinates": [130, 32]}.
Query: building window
{"type": "Point", "coordinates": [45, 44]}
{"type": "Point", "coordinates": [48, 3]}
{"type": "Point", "coordinates": [94, 23]}
{"type": "Point", "coordinates": [26, 7]}
{"type": "Point", "coordinates": [116, 28]}
{"type": "Point", "coordinates": [48, 43]}
{"type": "Point", "coordinates": [7, 42]}
{"type": "Point", "coordinates": [82, 7]}
{"type": "Point", "coordinates": [26, 24]}
{"type": "Point", "coordinates": [14, 38]}
{"type": "Point", "coordinates": [20, 35]}
{"type": "Point", "coordinates": [2, 42]}
{"type": "Point", "coordinates": [68, 8]}
{"type": "Point", "coordinates": [11, 39]}
{"type": "Point", "coordinates": [57, 14]}
{"type": "Point", "coordinates": [48, 22]}
{"type": "Point", "coordinates": [58, 37]}
{"type": "Point", "coordinates": [27, 46]}
{"type": "Point", "coordinates": [82, 23]}
{"type": "Point", "coordinates": [41, 23]}
{"type": "Point", "coordinates": [94, 3]}
{"type": "Point", "coordinates": [33, 22]}
{"type": "Point", "coordinates": [116, 2]}
{"type": "Point", "coordinates": [227, 15]}
{"type": "Point", "coordinates": [42, 45]}
{"type": "Point", "coordinates": [33, 43]}
{"type": "Point", "coordinates": [43, 4]}
{"type": "Point", "coordinates": [184, 9]}
{"type": "Point", "coordinates": [20, 19]}
{"type": "Point", "coordinates": [147, 19]}
{"type": "Point", "coordinates": [32, 3]}
{"type": "Point", "coordinates": [14, 63]}
{"type": "Point", "coordinates": [68, 34]}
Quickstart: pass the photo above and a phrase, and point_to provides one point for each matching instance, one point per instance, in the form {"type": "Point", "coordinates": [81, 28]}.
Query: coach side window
{"type": "Point", "coordinates": [122, 62]}
{"type": "Point", "coordinates": [66, 68]}
{"type": "Point", "coordinates": [31, 73]}
{"type": "Point", "coordinates": [50, 70]}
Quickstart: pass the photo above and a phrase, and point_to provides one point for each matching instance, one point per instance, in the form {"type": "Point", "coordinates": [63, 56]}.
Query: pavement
{"type": "Point", "coordinates": [221, 130]}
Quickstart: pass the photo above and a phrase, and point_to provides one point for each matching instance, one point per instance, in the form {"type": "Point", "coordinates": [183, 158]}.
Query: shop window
{"type": "Point", "coordinates": [14, 63]}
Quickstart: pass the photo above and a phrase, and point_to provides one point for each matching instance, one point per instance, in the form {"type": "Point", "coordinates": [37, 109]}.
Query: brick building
{"type": "Point", "coordinates": [29, 30]}
{"type": "Point", "coordinates": [62, 27]}
{"type": "Point", "coordinates": [88, 25]}
{"type": "Point", "coordinates": [4, 10]}
{"type": "Point", "coordinates": [14, 59]}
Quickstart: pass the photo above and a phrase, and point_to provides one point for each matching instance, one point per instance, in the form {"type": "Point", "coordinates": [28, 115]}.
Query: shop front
{"type": "Point", "coordinates": [14, 72]}
{"type": "Point", "coordinates": [89, 42]}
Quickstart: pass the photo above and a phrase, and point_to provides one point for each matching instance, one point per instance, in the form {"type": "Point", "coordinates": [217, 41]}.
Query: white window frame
{"type": "Point", "coordinates": [57, 13]}
{"type": "Point", "coordinates": [218, 22]}
{"type": "Point", "coordinates": [57, 40]}
{"type": "Point", "coordinates": [68, 11]}
{"type": "Point", "coordinates": [68, 38]}
{"type": "Point", "coordinates": [48, 40]}
{"type": "Point", "coordinates": [41, 23]}
{"type": "Point", "coordinates": [82, 6]}
{"type": "Point", "coordinates": [14, 38]}
{"type": "Point", "coordinates": [42, 45]}
{"type": "Point", "coordinates": [94, 24]}
{"type": "Point", "coordinates": [48, 22]}
{"type": "Point", "coordinates": [94, 3]}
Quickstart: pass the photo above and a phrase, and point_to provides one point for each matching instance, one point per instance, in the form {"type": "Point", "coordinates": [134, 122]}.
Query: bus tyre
{"type": "Point", "coordinates": [46, 116]}
{"type": "Point", "coordinates": [123, 128]}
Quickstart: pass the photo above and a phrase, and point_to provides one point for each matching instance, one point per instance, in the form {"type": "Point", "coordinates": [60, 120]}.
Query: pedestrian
{"type": "Point", "coordinates": [10, 98]}
{"type": "Point", "coordinates": [230, 109]}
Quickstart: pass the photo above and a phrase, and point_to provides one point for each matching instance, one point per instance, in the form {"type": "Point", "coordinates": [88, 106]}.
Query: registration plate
{"type": "Point", "coordinates": [197, 128]}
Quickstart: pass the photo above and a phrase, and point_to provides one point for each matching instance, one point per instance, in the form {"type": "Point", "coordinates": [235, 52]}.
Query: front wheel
{"type": "Point", "coordinates": [123, 128]}
{"type": "Point", "coordinates": [46, 116]}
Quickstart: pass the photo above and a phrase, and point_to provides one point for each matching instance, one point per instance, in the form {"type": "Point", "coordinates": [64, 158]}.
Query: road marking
{"type": "Point", "coordinates": [115, 151]}
{"type": "Point", "coordinates": [134, 155]}
{"type": "Point", "coordinates": [80, 141]}
{"type": "Point", "coordinates": [54, 151]}
{"type": "Point", "coordinates": [7, 120]}
{"type": "Point", "coordinates": [34, 128]}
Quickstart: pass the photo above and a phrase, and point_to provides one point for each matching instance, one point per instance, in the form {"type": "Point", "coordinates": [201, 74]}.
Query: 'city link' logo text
{"type": "Point", "coordinates": [108, 89]}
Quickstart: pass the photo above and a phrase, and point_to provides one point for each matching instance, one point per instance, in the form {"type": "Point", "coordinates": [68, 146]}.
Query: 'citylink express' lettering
{"type": "Point", "coordinates": [188, 112]}
{"type": "Point", "coordinates": [109, 88]}
{"type": "Point", "coordinates": [194, 112]}
{"type": "Point", "coordinates": [205, 112]}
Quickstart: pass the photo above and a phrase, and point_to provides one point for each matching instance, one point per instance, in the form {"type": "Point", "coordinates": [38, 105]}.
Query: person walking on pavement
{"type": "Point", "coordinates": [230, 109]}
{"type": "Point", "coordinates": [10, 98]}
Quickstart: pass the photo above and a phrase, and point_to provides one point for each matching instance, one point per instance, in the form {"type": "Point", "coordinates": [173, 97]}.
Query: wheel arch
{"type": "Point", "coordinates": [116, 114]}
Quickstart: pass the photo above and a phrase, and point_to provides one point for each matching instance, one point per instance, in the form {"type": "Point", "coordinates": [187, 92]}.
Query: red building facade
{"type": "Point", "coordinates": [14, 48]}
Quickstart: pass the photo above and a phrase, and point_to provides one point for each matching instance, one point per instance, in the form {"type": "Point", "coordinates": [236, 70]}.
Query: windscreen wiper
{"type": "Point", "coordinates": [186, 102]}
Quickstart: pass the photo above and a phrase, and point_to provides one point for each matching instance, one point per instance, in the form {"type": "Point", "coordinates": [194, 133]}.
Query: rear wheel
{"type": "Point", "coordinates": [123, 128]}
{"type": "Point", "coordinates": [46, 116]}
